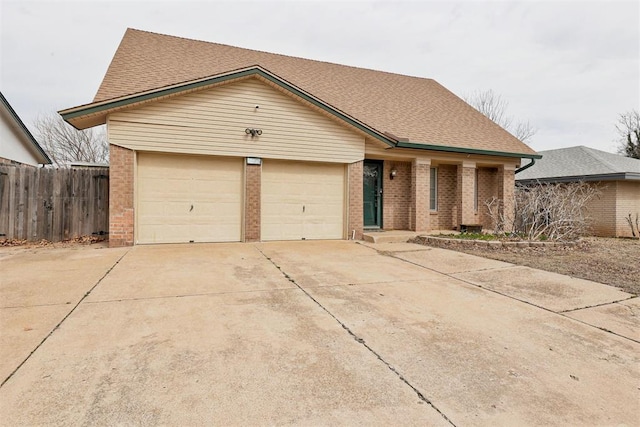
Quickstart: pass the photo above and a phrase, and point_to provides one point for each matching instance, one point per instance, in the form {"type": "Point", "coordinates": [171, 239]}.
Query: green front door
{"type": "Point", "coordinates": [372, 197]}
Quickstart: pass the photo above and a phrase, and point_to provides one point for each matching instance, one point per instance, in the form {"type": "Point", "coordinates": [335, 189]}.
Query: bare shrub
{"type": "Point", "coordinates": [635, 231]}
{"type": "Point", "coordinates": [545, 211]}
{"type": "Point", "coordinates": [64, 144]}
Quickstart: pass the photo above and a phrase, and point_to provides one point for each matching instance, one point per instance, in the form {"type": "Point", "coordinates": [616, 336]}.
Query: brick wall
{"type": "Point", "coordinates": [253, 178]}
{"type": "Point", "coordinates": [121, 212]}
{"type": "Point", "coordinates": [355, 208]}
{"type": "Point", "coordinates": [420, 195]}
{"type": "Point", "coordinates": [396, 196]}
{"type": "Point", "coordinates": [445, 217]}
{"type": "Point", "coordinates": [505, 183]}
{"type": "Point", "coordinates": [487, 189]}
{"type": "Point", "coordinates": [465, 192]}
{"type": "Point", "coordinates": [602, 210]}
{"type": "Point", "coordinates": [608, 211]}
{"type": "Point", "coordinates": [627, 202]}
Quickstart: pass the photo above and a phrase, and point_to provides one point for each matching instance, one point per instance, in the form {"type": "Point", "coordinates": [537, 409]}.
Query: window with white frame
{"type": "Point", "coordinates": [433, 189]}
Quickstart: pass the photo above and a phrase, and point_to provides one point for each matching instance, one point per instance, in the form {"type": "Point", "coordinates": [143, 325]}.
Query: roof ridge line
{"type": "Point", "coordinates": [589, 152]}
{"type": "Point", "coordinates": [282, 55]}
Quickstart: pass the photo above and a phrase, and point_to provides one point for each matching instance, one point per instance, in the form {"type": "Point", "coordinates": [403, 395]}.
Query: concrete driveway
{"type": "Point", "coordinates": [310, 333]}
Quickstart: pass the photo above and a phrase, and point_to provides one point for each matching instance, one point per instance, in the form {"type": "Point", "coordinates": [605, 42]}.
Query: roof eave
{"type": "Point", "coordinates": [35, 147]}
{"type": "Point", "coordinates": [94, 114]}
{"type": "Point", "coordinates": [448, 149]}
{"type": "Point", "coordinates": [621, 176]}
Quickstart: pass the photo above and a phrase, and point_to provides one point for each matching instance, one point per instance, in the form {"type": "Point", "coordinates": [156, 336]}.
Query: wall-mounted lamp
{"type": "Point", "coordinates": [393, 173]}
{"type": "Point", "coordinates": [253, 132]}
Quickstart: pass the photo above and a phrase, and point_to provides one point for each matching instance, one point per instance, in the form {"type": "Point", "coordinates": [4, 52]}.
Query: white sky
{"type": "Point", "coordinates": [569, 68]}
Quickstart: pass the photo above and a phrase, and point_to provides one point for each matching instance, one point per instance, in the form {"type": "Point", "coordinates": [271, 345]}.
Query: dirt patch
{"type": "Point", "coordinates": [77, 241]}
{"type": "Point", "coordinates": [614, 262]}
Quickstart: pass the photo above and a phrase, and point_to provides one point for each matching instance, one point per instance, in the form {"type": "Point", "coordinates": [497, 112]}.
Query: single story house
{"type": "Point", "coordinates": [214, 143]}
{"type": "Point", "coordinates": [616, 177]}
{"type": "Point", "coordinates": [17, 144]}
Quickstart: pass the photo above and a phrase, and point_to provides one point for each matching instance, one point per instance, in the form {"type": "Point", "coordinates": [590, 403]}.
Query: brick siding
{"type": "Point", "coordinates": [627, 202]}
{"type": "Point", "coordinates": [505, 183]}
{"type": "Point", "coordinates": [121, 211]}
{"type": "Point", "coordinates": [420, 195]}
{"type": "Point", "coordinates": [253, 179]}
{"type": "Point", "coordinates": [487, 190]}
{"type": "Point", "coordinates": [355, 220]}
{"type": "Point", "coordinates": [465, 192]}
{"type": "Point", "coordinates": [396, 196]}
{"type": "Point", "coordinates": [445, 217]}
{"type": "Point", "coordinates": [607, 212]}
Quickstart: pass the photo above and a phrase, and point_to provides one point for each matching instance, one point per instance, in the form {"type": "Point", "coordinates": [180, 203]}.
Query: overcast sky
{"type": "Point", "coordinates": [569, 68]}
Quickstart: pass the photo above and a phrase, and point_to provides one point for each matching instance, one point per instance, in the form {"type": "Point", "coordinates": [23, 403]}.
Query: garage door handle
{"type": "Point", "coordinates": [303, 208]}
{"type": "Point", "coordinates": [191, 208]}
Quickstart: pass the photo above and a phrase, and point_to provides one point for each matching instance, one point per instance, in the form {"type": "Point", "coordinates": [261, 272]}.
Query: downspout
{"type": "Point", "coordinates": [533, 162]}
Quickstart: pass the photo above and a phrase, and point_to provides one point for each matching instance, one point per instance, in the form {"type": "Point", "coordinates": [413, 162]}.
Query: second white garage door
{"type": "Point", "coordinates": [188, 198]}
{"type": "Point", "coordinates": [302, 200]}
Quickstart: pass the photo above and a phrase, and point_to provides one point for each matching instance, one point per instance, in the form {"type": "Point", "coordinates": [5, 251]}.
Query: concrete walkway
{"type": "Point", "coordinates": [309, 333]}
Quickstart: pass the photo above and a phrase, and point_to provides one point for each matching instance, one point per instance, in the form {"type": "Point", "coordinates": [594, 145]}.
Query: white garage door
{"type": "Point", "coordinates": [302, 200]}
{"type": "Point", "coordinates": [188, 199]}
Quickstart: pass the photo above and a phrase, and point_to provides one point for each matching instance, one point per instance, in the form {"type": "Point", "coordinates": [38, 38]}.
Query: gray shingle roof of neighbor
{"type": "Point", "coordinates": [417, 110]}
{"type": "Point", "coordinates": [581, 163]}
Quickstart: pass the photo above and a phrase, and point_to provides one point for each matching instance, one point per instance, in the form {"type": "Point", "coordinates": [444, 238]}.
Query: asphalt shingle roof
{"type": "Point", "coordinates": [418, 109]}
{"type": "Point", "coordinates": [579, 161]}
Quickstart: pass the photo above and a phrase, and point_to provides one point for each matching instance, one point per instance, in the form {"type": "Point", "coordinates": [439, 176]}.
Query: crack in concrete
{"type": "Point", "coordinates": [63, 319]}
{"type": "Point", "coordinates": [36, 305]}
{"type": "Point", "coordinates": [203, 294]}
{"type": "Point", "coordinates": [360, 340]}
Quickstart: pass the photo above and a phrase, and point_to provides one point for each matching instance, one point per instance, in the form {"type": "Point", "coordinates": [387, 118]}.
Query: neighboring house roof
{"type": "Point", "coordinates": [29, 150]}
{"type": "Point", "coordinates": [580, 164]}
{"type": "Point", "coordinates": [399, 110]}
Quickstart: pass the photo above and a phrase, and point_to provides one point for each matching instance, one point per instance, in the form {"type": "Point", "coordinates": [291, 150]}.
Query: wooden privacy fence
{"type": "Point", "coordinates": [53, 204]}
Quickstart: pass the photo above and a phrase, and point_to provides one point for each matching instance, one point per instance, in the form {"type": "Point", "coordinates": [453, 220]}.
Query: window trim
{"type": "Point", "coordinates": [433, 188]}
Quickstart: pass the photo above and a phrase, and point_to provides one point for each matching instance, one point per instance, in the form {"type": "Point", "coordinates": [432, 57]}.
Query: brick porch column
{"type": "Point", "coordinates": [252, 195]}
{"type": "Point", "coordinates": [420, 194]}
{"type": "Point", "coordinates": [121, 211]}
{"type": "Point", "coordinates": [465, 193]}
{"type": "Point", "coordinates": [355, 219]}
{"type": "Point", "coordinates": [506, 192]}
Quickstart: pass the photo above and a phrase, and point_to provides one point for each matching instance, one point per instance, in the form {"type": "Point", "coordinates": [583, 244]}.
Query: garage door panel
{"type": "Point", "coordinates": [302, 200]}
{"type": "Point", "coordinates": [188, 198]}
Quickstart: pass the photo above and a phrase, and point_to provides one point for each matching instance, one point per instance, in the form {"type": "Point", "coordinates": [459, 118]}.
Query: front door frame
{"type": "Point", "coordinates": [378, 197]}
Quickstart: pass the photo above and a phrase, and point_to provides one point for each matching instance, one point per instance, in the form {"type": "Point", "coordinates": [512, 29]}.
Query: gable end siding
{"type": "Point", "coordinates": [213, 122]}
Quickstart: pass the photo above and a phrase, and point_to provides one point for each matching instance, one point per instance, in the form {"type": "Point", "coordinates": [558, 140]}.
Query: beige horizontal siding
{"type": "Point", "coordinates": [214, 121]}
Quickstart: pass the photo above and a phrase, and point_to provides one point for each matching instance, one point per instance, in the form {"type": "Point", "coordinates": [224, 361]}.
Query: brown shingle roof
{"type": "Point", "coordinates": [418, 109]}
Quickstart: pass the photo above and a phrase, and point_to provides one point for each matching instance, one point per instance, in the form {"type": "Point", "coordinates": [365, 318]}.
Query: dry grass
{"type": "Point", "coordinates": [615, 262]}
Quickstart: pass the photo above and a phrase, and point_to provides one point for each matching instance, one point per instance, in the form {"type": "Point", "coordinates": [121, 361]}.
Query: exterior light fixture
{"type": "Point", "coordinates": [253, 132]}
{"type": "Point", "coordinates": [393, 173]}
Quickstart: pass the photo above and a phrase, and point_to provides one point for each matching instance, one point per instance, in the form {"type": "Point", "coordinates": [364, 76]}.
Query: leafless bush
{"type": "Point", "coordinates": [495, 207]}
{"type": "Point", "coordinates": [64, 144]}
{"type": "Point", "coordinates": [634, 232]}
{"type": "Point", "coordinates": [545, 211]}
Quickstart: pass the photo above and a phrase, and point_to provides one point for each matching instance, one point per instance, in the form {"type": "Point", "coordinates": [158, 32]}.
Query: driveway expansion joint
{"type": "Point", "coordinates": [63, 319]}
{"type": "Point", "coordinates": [422, 397]}
{"type": "Point", "coordinates": [559, 313]}
{"type": "Point", "coordinates": [597, 305]}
